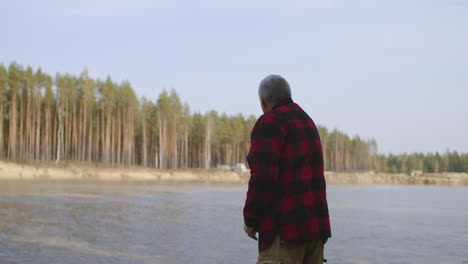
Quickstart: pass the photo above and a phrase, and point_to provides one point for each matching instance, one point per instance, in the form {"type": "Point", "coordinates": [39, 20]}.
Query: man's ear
{"type": "Point", "coordinates": [264, 105]}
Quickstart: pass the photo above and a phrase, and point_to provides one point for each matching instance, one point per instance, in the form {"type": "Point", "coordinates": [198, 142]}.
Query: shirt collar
{"type": "Point", "coordinates": [283, 102]}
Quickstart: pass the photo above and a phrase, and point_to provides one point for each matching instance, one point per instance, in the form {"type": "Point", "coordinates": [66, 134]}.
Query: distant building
{"type": "Point", "coordinates": [223, 167]}
{"type": "Point", "coordinates": [239, 167]}
{"type": "Point", "coordinates": [416, 173]}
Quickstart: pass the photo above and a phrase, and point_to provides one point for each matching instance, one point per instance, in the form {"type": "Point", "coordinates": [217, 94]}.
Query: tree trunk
{"type": "Point", "coordinates": [38, 129]}
{"type": "Point", "coordinates": [161, 143]}
{"type": "Point", "coordinates": [60, 131]}
{"type": "Point", "coordinates": [12, 151]}
{"type": "Point", "coordinates": [144, 147]}
{"type": "Point", "coordinates": [208, 144]}
{"type": "Point", "coordinates": [1, 126]}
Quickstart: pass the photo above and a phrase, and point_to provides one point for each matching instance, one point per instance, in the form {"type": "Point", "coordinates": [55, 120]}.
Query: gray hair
{"type": "Point", "coordinates": [273, 89]}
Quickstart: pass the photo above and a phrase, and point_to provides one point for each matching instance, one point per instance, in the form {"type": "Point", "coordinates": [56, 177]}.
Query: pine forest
{"type": "Point", "coordinates": [65, 118]}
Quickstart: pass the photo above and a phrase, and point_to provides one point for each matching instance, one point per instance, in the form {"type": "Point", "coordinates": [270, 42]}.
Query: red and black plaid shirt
{"type": "Point", "coordinates": [287, 189]}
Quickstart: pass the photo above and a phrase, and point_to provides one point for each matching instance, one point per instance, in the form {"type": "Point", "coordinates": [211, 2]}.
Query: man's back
{"type": "Point", "coordinates": [287, 190]}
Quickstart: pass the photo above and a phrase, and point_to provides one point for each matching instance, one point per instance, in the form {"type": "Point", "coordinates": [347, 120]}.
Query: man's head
{"type": "Point", "coordinates": [273, 89]}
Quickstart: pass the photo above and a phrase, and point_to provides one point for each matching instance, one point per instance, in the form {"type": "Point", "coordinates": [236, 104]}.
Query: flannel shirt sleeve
{"type": "Point", "coordinates": [263, 159]}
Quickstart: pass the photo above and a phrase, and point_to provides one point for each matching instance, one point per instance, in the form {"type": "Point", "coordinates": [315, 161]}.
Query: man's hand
{"type": "Point", "coordinates": [250, 232]}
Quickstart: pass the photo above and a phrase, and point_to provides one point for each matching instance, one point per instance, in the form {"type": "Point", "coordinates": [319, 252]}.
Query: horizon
{"type": "Point", "coordinates": [374, 65]}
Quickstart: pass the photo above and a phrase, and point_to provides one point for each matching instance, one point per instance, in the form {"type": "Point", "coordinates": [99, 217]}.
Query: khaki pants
{"type": "Point", "coordinates": [283, 252]}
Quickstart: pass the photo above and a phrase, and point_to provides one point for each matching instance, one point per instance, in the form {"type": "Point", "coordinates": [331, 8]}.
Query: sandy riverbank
{"type": "Point", "coordinates": [13, 171]}
{"type": "Point", "coordinates": [444, 179]}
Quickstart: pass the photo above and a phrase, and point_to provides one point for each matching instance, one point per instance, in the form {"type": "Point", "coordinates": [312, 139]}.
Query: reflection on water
{"type": "Point", "coordinates": [51, 222]}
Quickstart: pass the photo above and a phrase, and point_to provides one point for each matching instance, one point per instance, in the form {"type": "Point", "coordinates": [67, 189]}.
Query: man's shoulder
{"type": "Point", "coordinates": [281, 115]}
{"type": "Point", "coordinates": [267, 123]}
{"type": "Point", "coordinates": [285, 110]}
{"type": "Point", "coordinates": [270, 117]}
{"type": "Point", "coordinates": [289, 112]}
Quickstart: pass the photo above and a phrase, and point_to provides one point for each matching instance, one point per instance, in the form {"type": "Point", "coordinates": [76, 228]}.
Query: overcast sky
{"type": "Point", "coordinates": [393, 70]}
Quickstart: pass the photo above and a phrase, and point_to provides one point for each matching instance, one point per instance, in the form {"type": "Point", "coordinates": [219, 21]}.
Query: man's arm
{"type": "Point", "coordinates": [263, 158]}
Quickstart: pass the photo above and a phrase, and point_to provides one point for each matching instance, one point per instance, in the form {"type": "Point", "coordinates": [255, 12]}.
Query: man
{"type": "Point", "coordinates": [286, 201]}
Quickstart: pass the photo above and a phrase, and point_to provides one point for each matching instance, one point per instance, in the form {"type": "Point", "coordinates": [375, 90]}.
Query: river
{"type": "Point", "coordinates": [90, 222]}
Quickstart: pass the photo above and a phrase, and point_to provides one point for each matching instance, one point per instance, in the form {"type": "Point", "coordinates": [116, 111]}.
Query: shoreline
{"type": "Point", "coordinates": [17, 172]}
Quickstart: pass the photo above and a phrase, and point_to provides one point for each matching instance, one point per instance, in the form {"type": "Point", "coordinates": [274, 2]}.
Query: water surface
{"type": "Point", "coordinates": [76, 222]}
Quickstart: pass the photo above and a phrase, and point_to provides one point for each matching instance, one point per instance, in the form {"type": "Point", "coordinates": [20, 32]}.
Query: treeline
{"type": "Point", "coordinates": [68, 118]}
{"type": "Point", "coordinates": [432, 162]}
{"type": "Point", "coordinates": [76, 118]}
{"type": "Point", "coordinates": [342, 153]}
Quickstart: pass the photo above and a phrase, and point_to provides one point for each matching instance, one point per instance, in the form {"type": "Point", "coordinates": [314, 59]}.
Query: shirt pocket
{"type": "Point", "coordinates": [270, 261]}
